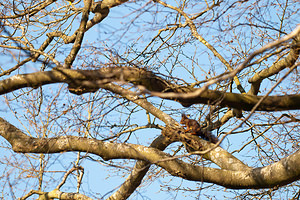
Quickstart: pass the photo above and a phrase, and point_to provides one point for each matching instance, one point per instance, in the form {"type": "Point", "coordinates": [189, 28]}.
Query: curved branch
{"type": "Point", "coordinates": [79, 34]}
{"type": "Point", "coordinates": [288, 61]}
{"type": "Point", "coordinates": [139, 171]}
{"type": "Point", "coordinates": [101, 10]}
{"type": "Point", "coordinates": [209, 151]}
{"type": "Point", "coordinates": [234, 100]}
{"type": "Point", "coordinates": [76, 78]}
{"type": "Point", "coordinates": [82, 81]}
{"type": "Point", "coordinates": [279, 173]}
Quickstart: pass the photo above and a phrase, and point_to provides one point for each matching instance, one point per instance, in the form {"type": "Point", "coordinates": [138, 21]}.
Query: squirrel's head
{"type": "Point", "coordinates": [185, 116]}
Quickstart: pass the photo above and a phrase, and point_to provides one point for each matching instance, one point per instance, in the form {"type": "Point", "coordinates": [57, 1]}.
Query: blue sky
{"type": "Point", "coordinates": [100, 179]}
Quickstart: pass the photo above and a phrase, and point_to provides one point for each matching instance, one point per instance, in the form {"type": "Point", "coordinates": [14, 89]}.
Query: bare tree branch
{"type": "Point", "coordinates": [79, 34]}
{"type": "Point", "coordinates": [288, 61]}
{"type": "Point", "coordinates": [80, 82]}
{"type": "Point", "coordinates": [279, 173]}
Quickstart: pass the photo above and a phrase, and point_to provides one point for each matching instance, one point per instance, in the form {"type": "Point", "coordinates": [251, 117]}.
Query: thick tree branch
{"type": "Point", "coordinates": [279, 173]}
{"type": "Point", "coordinates": [217, 155]}
{"type": "Point", "coordinates": [288, 61]}
{"type": "Point", "coordinates": [234, 100]}
{"type": "Point", "coordinates": [101, 10]}
{"type": "Point", "coordinates": [139, 171]}
{"type": "Point", "coordinates": [76, 78]}
{"type": "Point", "coordinates": [56, 194]}
{"type": "Point", "coordinates": [81, 81]}
{"type": "Point", "coordinates": [209, 151]}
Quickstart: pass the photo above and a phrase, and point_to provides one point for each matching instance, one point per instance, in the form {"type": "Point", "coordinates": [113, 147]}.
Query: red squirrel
{"type": "Point", "coordinates": [191, 125]}
{"type": "Point", "coordinates": [194, 128]}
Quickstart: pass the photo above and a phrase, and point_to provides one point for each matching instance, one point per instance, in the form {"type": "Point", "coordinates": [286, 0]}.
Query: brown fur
{"type": "Point", "coordinates": [193, 127]}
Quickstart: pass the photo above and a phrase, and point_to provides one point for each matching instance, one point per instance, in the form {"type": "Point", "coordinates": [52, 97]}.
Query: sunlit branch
{"type": "Point", "coordinates": [255, 178]}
